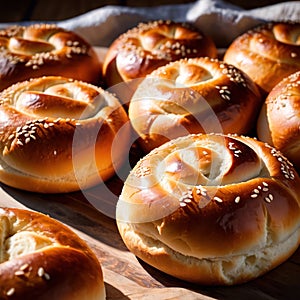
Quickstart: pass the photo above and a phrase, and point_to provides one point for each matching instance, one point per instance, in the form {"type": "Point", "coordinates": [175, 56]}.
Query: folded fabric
{"type": "Point", "coordinates": [221, 20]}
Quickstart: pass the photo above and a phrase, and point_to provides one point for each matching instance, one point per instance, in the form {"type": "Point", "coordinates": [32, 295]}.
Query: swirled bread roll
{"type": "Point", "coordinates": [211, 209]}
{"type": "Point", "coordinates": [196, 95]}
{"type": "Point", "coordinates": [142, 49]}
{"type": "Point", "coordinates": [267, 53]}
{"type": "Point", "coordinates": [45, 49]}
{"type": "Point", "coordinates": [279, 119]}
{"type": "Point", "coordinates": [57, 135]}
{"type": "Point", "coordinates": [41, 258]}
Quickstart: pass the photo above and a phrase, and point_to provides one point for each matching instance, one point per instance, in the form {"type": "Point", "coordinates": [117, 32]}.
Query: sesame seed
{"type": "Point", "coordinates": [237, 199]}
{"type": "Point", "coordinates": [254, 195]}
{"type": "Point", "coordinates": [10, 292]}
{"type": "Point", "coordinates": [41, 272]}
{"type": "Point", "coordinates": [24, 267]}
{"type": "Point", "coordinates": [19, 273]}
{"type": "Point", "coordinates": [218, 199]}
{"type": "Point", "coordinates": [231, 146]}
{"type": "Point", "coordinates": [200, 190]}
{"type": "Point", "coordinates": [267, 199]}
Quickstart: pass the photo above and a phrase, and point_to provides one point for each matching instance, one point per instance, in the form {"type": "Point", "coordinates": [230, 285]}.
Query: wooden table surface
{"type": "Point", "coordinates": [91, 215]}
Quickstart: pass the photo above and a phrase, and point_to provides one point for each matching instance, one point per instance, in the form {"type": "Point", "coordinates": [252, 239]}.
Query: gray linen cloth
{"type": "Point", "coordinates": [221, 20]}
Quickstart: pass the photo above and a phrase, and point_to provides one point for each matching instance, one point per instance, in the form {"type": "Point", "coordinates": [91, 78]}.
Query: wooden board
{"type": "Point", "coordinates": [90, 214]}
{"type": "Point", "coordinates": [125, 276]}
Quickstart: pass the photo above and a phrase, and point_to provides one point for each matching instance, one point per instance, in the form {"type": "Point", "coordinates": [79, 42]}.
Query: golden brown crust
{"type": "Point", "coordinates": [150, 45]}
{"type": "Point", "coordinates": [58, 133]}
{"type": "Point", "coordinates": [206, 208]}
{"type": "Point", "coordinates": [45, 49]}
{"type": "Point", "coordinates": [43, 259]}
{"type": "Point", "coordinates": [267, 53]}
{"type": "Point", "coordinates": [279, 119]}
{"type": "Point", "coordinates": [196, 95]}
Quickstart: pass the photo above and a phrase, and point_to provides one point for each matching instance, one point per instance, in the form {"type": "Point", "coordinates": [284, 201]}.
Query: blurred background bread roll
{"type": "Point", "coordinates": [279, 119]}
{"type": "Point", "coordinates": [147, 46]}
{"type": "Point", "coordinates": [267, 53]}
{"type": "Point", "coordinates": [45, 49]}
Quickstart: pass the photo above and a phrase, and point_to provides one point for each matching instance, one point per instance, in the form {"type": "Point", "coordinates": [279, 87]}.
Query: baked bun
{"type": "Point", "coordinates": [267, 53]}
{"type": "Point", "coordinates": [43, 259]}
{"type": "Point", "coordinates": [211, 209]}
{"type": "Point", "coordinates": [197, 95]}
{"type": "Point", "coordinates": [140, 50]}
{"type": "Point", "coordinates": [45, 49]}
{"type": "Point", "coordinates": [57, 135]}
{"type": "Point", "coordinates": [279, 119]}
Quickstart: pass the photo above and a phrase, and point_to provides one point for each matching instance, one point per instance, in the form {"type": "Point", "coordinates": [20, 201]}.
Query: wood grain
{"type": "Point", "coordinates": [126, 277]}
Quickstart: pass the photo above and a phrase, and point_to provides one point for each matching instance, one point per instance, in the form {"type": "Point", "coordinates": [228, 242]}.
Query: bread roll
{"type": "Point", "coordinates": [148, 46]}
{"type": "Point", "coordinates": [58, 135]}
{"type": "Point", "coordinates": [267, 53]}
{"type": "Point", "coordinates": [279, 119]}
{"type": "Point", "coordinates": [211, 209]}
{"type": "Point", "coordinates": [45, 49]}
{"type": "Point", "coordinates": [196, 95]}
{"type": "Point", "coordinates": [43, 259]}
